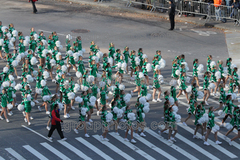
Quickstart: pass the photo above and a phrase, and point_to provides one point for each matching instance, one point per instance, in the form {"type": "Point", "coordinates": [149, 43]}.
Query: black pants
{"type": "Point", "coordinates": [34, 7]}
{"type": "Point", "coordinates": [171, 18]}
{"type": "Point", "coordinates": [59, 129]}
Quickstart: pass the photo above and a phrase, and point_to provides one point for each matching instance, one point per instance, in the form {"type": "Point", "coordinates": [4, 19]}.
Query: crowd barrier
{"type": "Point", "coordinates": [185, 7]}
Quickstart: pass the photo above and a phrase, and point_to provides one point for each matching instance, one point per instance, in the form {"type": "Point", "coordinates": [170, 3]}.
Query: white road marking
{"type": "Point", "coordinates": [93, 148]}
{"type": "Point", "coordinates": [74, 149]}
{"type": "Point", "coordinates": [173, 146]}
{"type": "Point", "coordinates": [133, 147]}
{"type": "Point", "coordinates": [35, 152]}
{"type": "Point", "coordinates": [113, 148]}
{"type": "Point", "coordinates": [14, 154]}
{"type": "Point", "coordinates": [54, 151]}
{"type": "Point", "coordinates": [155, 148]}
{"type": "Point", "coordinates": [37, 133]}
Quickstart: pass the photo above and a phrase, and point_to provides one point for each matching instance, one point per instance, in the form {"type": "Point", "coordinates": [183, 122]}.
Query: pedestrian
{"type": "Point", "coordinates": [56, 123]}
{"type": "Point", "coordinates": [34, 7]}
{"type": "Point", "coordinates": [172, 14]}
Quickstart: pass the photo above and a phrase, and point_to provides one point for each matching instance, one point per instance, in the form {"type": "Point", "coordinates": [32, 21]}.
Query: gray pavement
{"type": "Point", "coordinates": [122, 28]}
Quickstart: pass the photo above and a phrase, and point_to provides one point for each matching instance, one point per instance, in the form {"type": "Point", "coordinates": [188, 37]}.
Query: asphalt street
{"type": "Point", "coordinates": [123, 29]}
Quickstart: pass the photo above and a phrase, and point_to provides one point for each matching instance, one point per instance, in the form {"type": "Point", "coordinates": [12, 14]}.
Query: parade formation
{"type": "Point", "coordinates": [97, 86]}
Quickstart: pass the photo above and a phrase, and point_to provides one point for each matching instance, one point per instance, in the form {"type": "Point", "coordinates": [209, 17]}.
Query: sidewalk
{"type": "Point", "coordinates": [121, 5]}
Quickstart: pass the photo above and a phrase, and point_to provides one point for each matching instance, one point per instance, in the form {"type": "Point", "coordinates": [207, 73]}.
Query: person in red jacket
{"type": "Point", "coordinates": [56, 123]}
{"type": "Point", "coordinates": [34, 7]}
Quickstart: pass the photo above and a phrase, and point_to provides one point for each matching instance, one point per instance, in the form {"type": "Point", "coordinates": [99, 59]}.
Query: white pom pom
{"type": "Point", "coordinates": [57, 56]}
{"type": "Point", "coordinates": [102, 84]}
{"type": "Point", "coordinates": [160, 77]}
{"type": "Point", "coordinates": [64, 68]}
{"type": "Point", "coordinates": [189, 89]}
{"type": "Point", "coordinates": [143, 115]}
{"type": "Point", "coordinates": [177, 117]}
{"type": "Point", "coordinates": [144, 56]}
{"type": "Point", "coordinates": [228, 126]}
{"type": "Point", "coordinates": [213, 63]}
{"type": "Point", "coordinates": [13, 40]}
{"type": "Point", "coordinates": [175, 109]}
{"type": "Point", "coordinates": [20, 107]}
{"type": "Point", "coordinates": [46, 75]}
{"type": "Point", "coordinates": [215, 128]}
{"type": "Point", "coordinates": [58, 43]}
{"type": "Point", "coordinates": [171, 100]}
{"type": "Point", "coordinates": [66, 82]}
{"type": "Point", "coordinates": [78, 74]}
{"type": "Point", "coordinates": [69, 37]}
{"type": "Point", "coordinates": [211, 86]}
{"type": "Point", "coordinates": [53, 62]}
{"type": "Point", "coordinates": [233, 66]}
{"type": "Point", "coordinates": [149, 67]}
{"type": "Point", "coordinates": [46, 98]}
{"type": "Point", "coordinates": [5, 84]}
{"type": "Point", "coordinates": [76, 56]}
{"type": "Point", "coordinates": [90, 79]}
{"type": "Point", "coordinates": [83, 50]}
{"type": "Point", "coordinates": [109, 117]}
{"type": "Point", "coordinates": [35, 73]}
{"type": "Point", "coordinates": [18, 87]}
{"type": "Point", "coordinates": [84, 88]}
{"type": "Point", "coordinates": [177, 72]}
{"type": "Point", "coordinates": [115, 110]}
{"type": "Point", "coordinates": [11, 78]}
{"type": "Point", "coordinates": [99, 54]}
{"type": "Point", "coordinates": [137, 61]}
{"type": "Point", "coordinates": [25, 43]}
{"type": "Point", "coordinates": [92, 100]}
{"type": "Point", "coordinates": [78, 99]}
{"type": "Point", "coordinates": [83, 111]}
{"type": "Point", "coordinates": [218, 74]}
{"type": "Point", "coordinates": [29, 97]}
{"type": "Point", "coordinates": [146, 108]}
{"type": "Point", "coordinates": [60, 105]}
{"type": "Point", "coordinates": [15, 33]}
{"type": "Point", "coordinates": [142, 100]}
{"type": "Point", "coordinates": [127, 97]}
{"type": "Point", "coordinates": [44, 42]}
{"type": "Point", "coordinates": [203, 119]}
{"type": "Point", "coordinates": [1, 42]}
{"type": "Point", "coordinates": [162, 63]}
{"type": "Point", "coordinates": [121, 87]}
{"type": "Point", "coordinates": [15, 63]}
{"type": "Point", "coordinates": [43, 83]}
{"type": "Point", "coordinates": [44, 52]}
{"type": "Point", "coordinates": [141, 75]}
{"type": "Point", "coordinates": [148, 97]}
{"type": "Point", "coordinates": [120, 113]}
{"type": "Point", "coordinates": [9, 106]}
{"type": "Point", "coordinates": [35, 37]}
{"type": "Point", "coordinates": [38, 90]}
{"type": "Point", "coordinates": [131, 116]}
{"type": "Point", "coordinates": [110, 60]}
{"type": "Point", "coordinates": [70, 53]}
{"type": "Point", "coordinates": [71, 95]}
{"type": "Point", "coordinates": [200, 95]}
{"type": "Point", "coordinates": [9, 35]}
{"type": "Point", "coordinates": [32, 104]}
{"type": "Point", "coordinates": [29, 78]}
{"type": "Point", "coordinates": [76, 88]}
{"type": "Point", "coordinates": [124, 66]}
{"type": "Point", "coordinates": [200, 68]}
{"type": "Point", "coordinates": [5, 69]}
{"type": "Point", "coordinates": [4, 28]}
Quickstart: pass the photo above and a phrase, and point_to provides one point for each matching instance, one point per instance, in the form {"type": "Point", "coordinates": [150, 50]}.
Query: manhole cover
{"type": "Point", "coordinates": [80, 31]}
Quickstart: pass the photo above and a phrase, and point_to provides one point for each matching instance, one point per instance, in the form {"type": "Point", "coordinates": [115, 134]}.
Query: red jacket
{"type": "Point", "coordinates": [54, 117]}
{"type": "Point", "coordinates": [33, 0]}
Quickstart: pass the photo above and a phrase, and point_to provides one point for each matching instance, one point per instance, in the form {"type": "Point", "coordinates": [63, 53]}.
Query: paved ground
{"type": "Point", "coordinates": [122, 28]}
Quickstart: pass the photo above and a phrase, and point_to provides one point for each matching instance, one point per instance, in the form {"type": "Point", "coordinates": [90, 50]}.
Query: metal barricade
{"type": "Point", "coordinates": [193, 7]}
